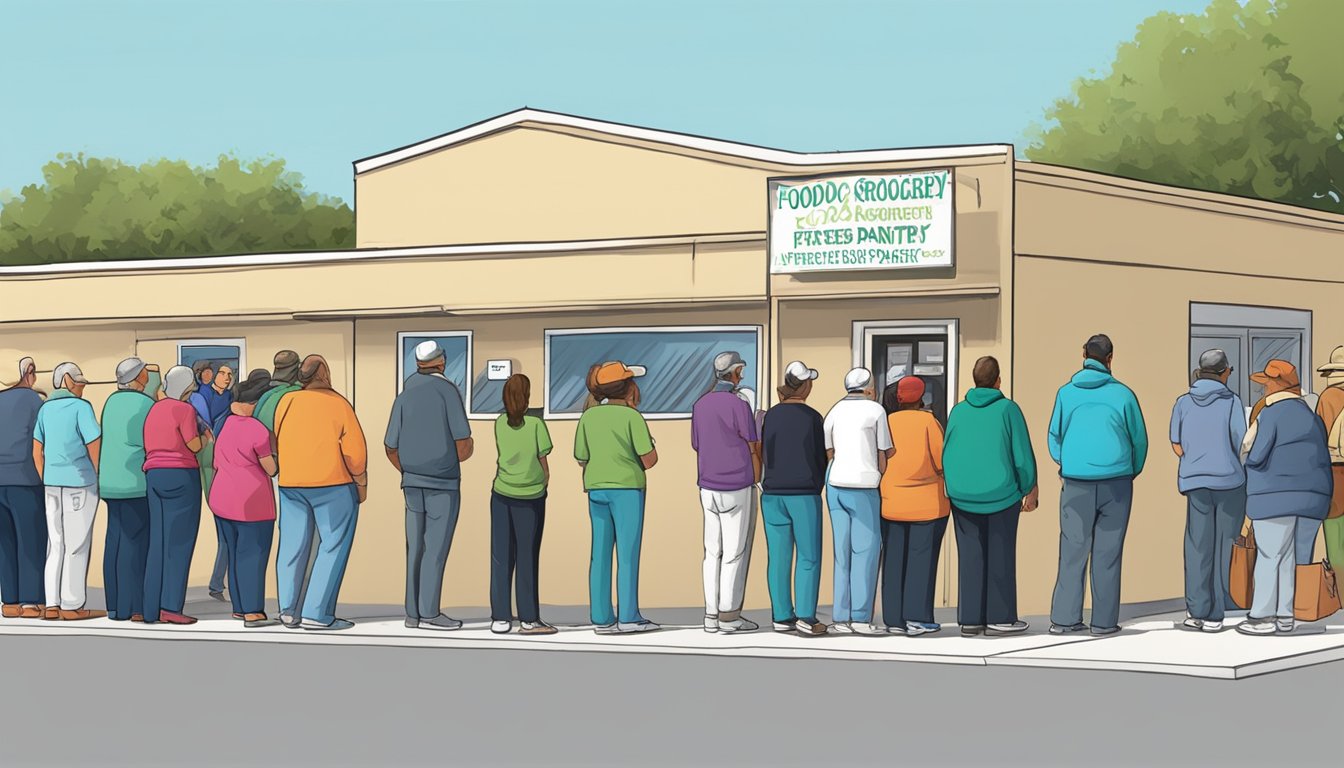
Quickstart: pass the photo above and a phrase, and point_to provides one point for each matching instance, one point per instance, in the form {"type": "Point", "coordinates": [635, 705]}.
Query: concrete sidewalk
{"type": "Point", "coordinates": [1147, 644]}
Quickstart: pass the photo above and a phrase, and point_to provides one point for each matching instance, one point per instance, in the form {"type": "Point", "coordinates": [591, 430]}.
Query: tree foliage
{"type": "Point", "coordinates": [93, 209]}
{"type": "Point", "coordinates": [1244, 99]}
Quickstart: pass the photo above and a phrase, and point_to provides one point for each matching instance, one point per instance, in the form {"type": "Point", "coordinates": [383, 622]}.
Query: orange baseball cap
{"type": "Point", "coordinates": [615, 371]}
{"type": "Point", "coordinates": [1280, 371]}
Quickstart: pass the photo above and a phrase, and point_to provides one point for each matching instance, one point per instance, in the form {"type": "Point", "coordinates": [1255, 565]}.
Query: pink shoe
{"type": "Point", "coordinates": [172, 617]}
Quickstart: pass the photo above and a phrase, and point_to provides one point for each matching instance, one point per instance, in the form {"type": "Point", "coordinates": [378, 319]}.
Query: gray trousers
{"type": "Point", "coordinates": [1212, 522]}
{"type": "Point", "coordinates": [431, 518]}
{"type": "Point", "coordinates": [1282, 544]}
{"type": "Point", "coordinates": [1093, 518]}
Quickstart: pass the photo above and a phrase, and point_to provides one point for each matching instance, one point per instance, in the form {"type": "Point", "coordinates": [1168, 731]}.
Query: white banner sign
{"type": "Point", "coordinates": [863, 221]}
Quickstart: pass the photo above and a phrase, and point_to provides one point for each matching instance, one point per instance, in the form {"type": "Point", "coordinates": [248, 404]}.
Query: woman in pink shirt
{"type": "Point", "coordinates": [242, 502]}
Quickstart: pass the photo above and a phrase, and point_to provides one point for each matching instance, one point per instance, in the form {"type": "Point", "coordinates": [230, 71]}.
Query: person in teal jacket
{"type": "Point", "coordinates": [990, 472]}
{"type": "Point", "coordinates": [1098, 439]}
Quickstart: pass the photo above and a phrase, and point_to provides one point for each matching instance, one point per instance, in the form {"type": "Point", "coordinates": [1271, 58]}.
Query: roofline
{"type": "Point", "coordinates": [292, 258]}
{"type": "Point", "coordinates": [685, 140]}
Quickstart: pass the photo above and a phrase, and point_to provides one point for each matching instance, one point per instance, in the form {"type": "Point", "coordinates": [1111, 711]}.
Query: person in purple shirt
{"type": "Point", "coordinates": [728, 454]}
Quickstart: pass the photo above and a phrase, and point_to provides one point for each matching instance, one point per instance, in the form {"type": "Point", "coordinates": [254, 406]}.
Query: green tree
{"type": "Point", "coordinates": [1244, 99]}
{"type": "Point", "coordinates": [94, 209]}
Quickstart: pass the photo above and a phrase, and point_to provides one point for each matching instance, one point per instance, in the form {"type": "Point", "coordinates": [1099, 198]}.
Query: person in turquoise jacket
{"type": "Point", "coordinates": [1098, 439]}
{"type": "Point", "coordinates": [990, 472]}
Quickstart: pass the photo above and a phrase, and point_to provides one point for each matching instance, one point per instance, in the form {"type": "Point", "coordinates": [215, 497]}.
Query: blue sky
{"type": "Point", "coordinates": [324, 82]}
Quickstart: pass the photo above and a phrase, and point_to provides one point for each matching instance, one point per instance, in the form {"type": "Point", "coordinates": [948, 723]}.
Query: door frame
{"type": "Point", "coordinates": [864, 331]}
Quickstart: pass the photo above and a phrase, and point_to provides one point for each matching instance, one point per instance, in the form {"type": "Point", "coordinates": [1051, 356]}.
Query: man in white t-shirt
{"type": "Point", "coordinates": [858, 444]}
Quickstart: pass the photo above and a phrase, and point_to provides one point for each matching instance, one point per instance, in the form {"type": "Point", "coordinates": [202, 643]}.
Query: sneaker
{"type": "Point", "coordinates": [1257, 627]}
{"type": "Point", "coordinates": [1285, 626]}
{"type": "Point", "coordinates": [635, 627]}
{"type": "Point", "coordinates": [842, 628]}
{"type": "Point", "coordinates": [606, 629]}
{"type": "Point", "coordinates": [868, 629]}
{"type": "Point", "coordinates": [442, 623]}
{"type": "Point", "coordinates": [259, 620]}
{"type": "Point", "coordinates": [1067, 629]}
{"type": "Point", "coordinates": [411, 622]}
{"type": "Point", "coordinates": [501, 627]}
{"type": "Point", "coordinates": [738, 625]}
{"type": "Point", "coordinates": [917, 628]}
{"type": "Point", "coordinates": [1212, 626]}
{"type": "Point", "coordinates": [810, 628]}
{"type": "Point", "coordinates": [711, 623]}
{"type": "Point", "coordinates": [1192, 623]}
{"type": "Point", "coordinates": [999, 630]}
{"type": "Point", "coordinates": [335, 626]}
{"type": "Point", "coordinates": [291, 622]}
{"type": "Point", "coordinates": [898, 630]}
{"type": "Point", "coordinates": [972, 630]}
{"type": "Point", "coordinates": [1103, 631]}
{"type": "Point", "coordinates": [218, 596]}
{"type": "Point", "coordinates": [784, 626]}
{"type": "Point", "coordinates": [536, 628]}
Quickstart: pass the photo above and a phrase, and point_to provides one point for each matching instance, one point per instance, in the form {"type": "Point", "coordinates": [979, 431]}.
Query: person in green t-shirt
{"type": "Point", "coordinates": [614, 447]}
{"type": "Point", "coordinates": [518, 511]}
{"type": "Point", "coordinates": [121, 483]}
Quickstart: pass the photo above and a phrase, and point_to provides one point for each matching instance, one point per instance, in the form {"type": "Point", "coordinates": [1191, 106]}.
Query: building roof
{"type": "Point", "coordinates": [635, 134]}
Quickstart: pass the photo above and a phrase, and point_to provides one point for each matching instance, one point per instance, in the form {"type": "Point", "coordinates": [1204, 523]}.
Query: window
{"type": "Point", "coordinates": [1251, 337]}
{"type": "Point", "coordinates": [487, 397]}
{"type": "Point", "coordinates": [457, 356]}
{"type": "Point", "coordinates": [217, 352]}
{"type": "Point", "coordinates": [679, 362]}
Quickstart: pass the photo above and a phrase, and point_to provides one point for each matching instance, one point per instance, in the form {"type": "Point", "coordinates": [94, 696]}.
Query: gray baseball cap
{"type": "Point", "coordinates": [128, 370]}
{"type": "Point", "coordinates": [1213, 361]}
{"type": "Point", "coordinates": [67, 369]}
{"type": "Point", "coordinates": [725, 362]}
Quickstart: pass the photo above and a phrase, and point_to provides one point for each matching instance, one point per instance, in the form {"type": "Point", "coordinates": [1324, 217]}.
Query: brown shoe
{"type": "Point", "coordinates": [536, 628]}
{"type": "Point", "coordinates": [810, 629]}
{"type": "Point", "coordinates": [81, 614]}
{"type": "Point", "coordinates": [138, 618]}
{"type": "Point", "coordinates": [11, 610]}
{"type": "Point", "coordinates": [51, 613]}
{"type": "Point", "coordinates": [31, 612]}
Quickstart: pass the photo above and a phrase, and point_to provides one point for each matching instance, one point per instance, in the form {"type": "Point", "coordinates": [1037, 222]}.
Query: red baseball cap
{"type": "Point", "coordinates": [910, 389]}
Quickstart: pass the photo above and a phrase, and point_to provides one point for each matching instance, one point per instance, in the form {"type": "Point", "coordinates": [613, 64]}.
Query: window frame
{"type": "Point", "coordinates": [241, 344]}
{"type": "Point", "coordinates": [467, 386]}
{"type": "Point", "coordinates": [551, 415]}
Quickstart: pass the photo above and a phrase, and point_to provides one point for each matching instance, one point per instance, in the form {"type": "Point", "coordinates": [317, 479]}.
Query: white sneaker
{"type": "Point", "coordinates": [711, 623]}
{"type": "Point", "coordinates": [1192, 623]}
{"type": "Point", "coordinates": [501, 627]}
{"type": "Point", "coordinates": [1256, 627]}
{"type": "Point", "coordinates": [738, 625]}
{"type": "Point", "coordinates": [780, 626]}
{"type": "Point", "coordinates": [1285, 626]}
{"type": "Point", "coordinates": [1212, 626]}
{"type": "Point", "coordinates": [868, 629]}
{"type": "Point", "coordinates": [842, 628]}
{"type": "Point", "coordinates": [624, 628]}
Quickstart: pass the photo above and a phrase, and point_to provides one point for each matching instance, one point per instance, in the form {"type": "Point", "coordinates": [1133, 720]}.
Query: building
{"type": "Point", "coordinates": [540, 243]}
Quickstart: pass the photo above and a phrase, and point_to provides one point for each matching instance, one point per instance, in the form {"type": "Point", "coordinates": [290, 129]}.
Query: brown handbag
{"type": "Point", "coordinates": [1241, 579]}
{"type": "Point", "coordinates": [1317, 594]}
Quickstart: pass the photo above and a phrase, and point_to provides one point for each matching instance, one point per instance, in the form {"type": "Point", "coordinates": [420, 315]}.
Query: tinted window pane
{"type": "Point", "coordinates": [455, 357]}
{"type": "Point", "coordinates": [218, 355]}
{"type": "Point", "coordinates": [680, 365]}
{"type": "Point", "coordinates": [487, 396]}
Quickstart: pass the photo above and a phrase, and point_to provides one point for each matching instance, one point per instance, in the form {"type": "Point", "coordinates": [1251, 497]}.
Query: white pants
{"type": "Point", "coordinates": [70, 514]}
{"type": "Point", "coordinates": [730, 522]}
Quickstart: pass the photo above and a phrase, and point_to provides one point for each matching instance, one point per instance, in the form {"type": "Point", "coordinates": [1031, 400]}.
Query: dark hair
{"type": "Point", "coordinates": [793, 387]}
{"type": "Point", "coordinates": [251, 390]}
{"type": "Point", "coordinates": [517, 392]}
{"type": "Point", "coordinates": [891, 401]}
{"type": "Point", "coordinates": [201, 365]}
{"type": "Point", "coordinates": [986, 372]}
{"type": "Point", "coordinates": [1099, 348]}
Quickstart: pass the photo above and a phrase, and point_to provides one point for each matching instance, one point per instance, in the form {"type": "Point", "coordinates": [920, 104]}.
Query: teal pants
{"type": "Point", "coordinates": [793, 526]}
{"type": "Point", "coordinates": [618, 523]}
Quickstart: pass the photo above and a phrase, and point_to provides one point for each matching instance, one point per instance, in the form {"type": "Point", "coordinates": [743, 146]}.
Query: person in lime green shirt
{"type": "Point", "coordinates": [518, 511]}
{"type": "Point", "coordinates": [614, 447]}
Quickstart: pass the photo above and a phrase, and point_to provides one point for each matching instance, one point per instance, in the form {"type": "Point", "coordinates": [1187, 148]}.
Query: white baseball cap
{"type": "Point", "coordinates": [724, 362]}
{"type": "Point", "coordinates": [426, 351]}
{"type": "Point", "coordinates": [799, 372]}
{"type": "Point", "coordinates": [26, 366]}
{"type": "Point", "coordinates": [67, 369]}
{"type": "Point", "coordinates": [858, 379]}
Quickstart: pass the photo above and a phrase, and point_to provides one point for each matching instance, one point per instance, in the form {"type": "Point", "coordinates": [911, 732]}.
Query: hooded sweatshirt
{"type": "Point", "coordinates": [988, 463]}
{"type": "Point", "coordinates": [1209, 424]}
{"type": "Point", "coordinates": [1097, 430]}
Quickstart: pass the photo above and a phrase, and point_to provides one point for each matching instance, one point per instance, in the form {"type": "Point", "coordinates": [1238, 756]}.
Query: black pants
{"type": "Point", "coordinates": [910, 570]}
{"type": "Point", "coordinates": [124, 557]}
{"type": "Point", "coordinates": [23, 545]}
{"type": "Point", "coordinates": [515, 545]}
{"type": "Point", "coordinates": [987, 566]}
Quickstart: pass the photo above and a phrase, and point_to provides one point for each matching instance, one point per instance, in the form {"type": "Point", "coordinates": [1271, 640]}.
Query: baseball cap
{"type": "Point", "coordinates": [615, 371]}
{"type": "Point", "coordinates": [1277, 371]}
{"type": "Point", "coordinates": [858, 379]}
{"type": "Point", "coordinates": [727, 361]}
{"type": "Point", "coordinates": [26, 365]}
{"type": "Point", "coordinates": [427, 351]}
{"type": "Point", "coordinates": [128, 370]}
{"type": "Point", "coordinates": [797, 372]}
{"type": "Point", "coordinates": [910, 389]}
{"type": "Point", "coordinates": [1213, 361]}
{"type": "Point", "coordinates": [67, 369]}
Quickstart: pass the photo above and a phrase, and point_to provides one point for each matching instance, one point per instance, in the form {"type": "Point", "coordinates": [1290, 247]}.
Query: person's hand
{"type": "Point", "coordinates": [363, 492]}
{"type": "Point", "coordinates": [1032, 500]}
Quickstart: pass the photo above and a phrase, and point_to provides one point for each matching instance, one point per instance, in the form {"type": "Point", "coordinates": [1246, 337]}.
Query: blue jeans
{"type": "Point", "coordinates": [174, 521]}
{"type": "Point", "coordinates": [23, 545]}
{"type": "Point", "coordinates": [792, 523]}
{"type": "Point", "coordinates": [124, 557]}
{"type": "Point", "coordinates": [1212, 522]}
{"type": "Point", "coordinates": [856, 515]}
{"type": "Point", "coordinates": [331, 512]}
{"type": "Point", "coordinates": [618, 522]}
{"type": "Point", "coordinates": [1093, 519]}
{"type": "Point", "coordinates": [249, 549]}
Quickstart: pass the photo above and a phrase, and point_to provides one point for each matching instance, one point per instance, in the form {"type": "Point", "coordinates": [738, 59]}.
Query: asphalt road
{"type": "Point", "coordinates": [105, 701]}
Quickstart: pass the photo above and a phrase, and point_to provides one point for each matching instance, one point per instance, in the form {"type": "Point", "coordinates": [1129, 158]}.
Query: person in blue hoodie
{"type": "Point", "coordinates": [1288, 490]}
{"type": "Point", "coordinates": [1208, 425]}
{"type": "Point", "coordinates": [1098, 439]}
